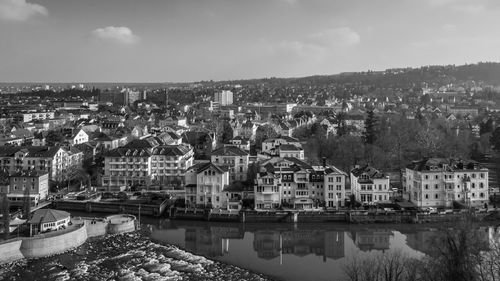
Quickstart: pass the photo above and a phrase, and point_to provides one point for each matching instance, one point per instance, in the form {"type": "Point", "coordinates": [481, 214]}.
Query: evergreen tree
{"type": "Point", "coordinates": [370, 135]}
{"type": "Point", "coordinates": [6, 215]}
{"type": "Point", "coordinates": [495, 139]}
{"type": "Point", "coordinates": [27, 203]}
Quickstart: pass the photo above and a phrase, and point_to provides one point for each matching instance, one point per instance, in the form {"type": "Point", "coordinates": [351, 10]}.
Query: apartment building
{"type": "Point", "coordinates": [299, 185]}
{"type": "Point", "coordinates": [437, 182]}
{"type": "Point", "coordinates": [271, 146]}
{"type": "Point", "coordinates": [235, 159]}
{"type": "Point", "coordinates": [31, 116]}
{"type": "Point", "coordinates": [205, 183]}
{"type": "Point", "coordinates": [36, 181]}
{"type": "Point", "coordinates": [154, 167]}
{"type": "Point", "coordinates": [53, 160]}
{"type": "Point", "coordinates": [370, 186]}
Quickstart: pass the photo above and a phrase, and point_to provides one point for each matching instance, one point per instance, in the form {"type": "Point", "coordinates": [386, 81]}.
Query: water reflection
{"type": "Point", "coordinates": [299, 252]}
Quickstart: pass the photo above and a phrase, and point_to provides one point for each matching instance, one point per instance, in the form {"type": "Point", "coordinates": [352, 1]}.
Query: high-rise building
{"type": "Point", "coordinates": [224, 98]}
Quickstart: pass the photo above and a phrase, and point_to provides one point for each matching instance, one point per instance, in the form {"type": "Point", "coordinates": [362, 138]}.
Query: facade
{"type": "Point", "coordinates": [271, 146]}
{"type": "Point", "coordinates": [268, 191]}
{"type": "Point", "coordinates": [79, 137]}
{"type": "Point", "coordinates": [239, 142]}
{"type": "Point", "coordinates": [205, 184]}
{"type": "Point", "coordinates": [235, 159]}
{"type": "Point", "coordinates": [30, 116]}
{"type": "Point", "coordinates": [44, 220]}
{"type": "Point", "coordinates": [37, 182]}
{"type": "Point", "coordinates": [157, 166]}
{"type": "Point", "coordinates": [370, 186]}
{"type": "Point", "coordinates": [300, 185]}
{"type": "Point", "coordinates": [437, 182]}
{"type": "Point", "coordinates": [223, 98]}
{"type": "Point", "coordinates": [289, 150]}
{"type": "Point", "coordinates": [53, 160]}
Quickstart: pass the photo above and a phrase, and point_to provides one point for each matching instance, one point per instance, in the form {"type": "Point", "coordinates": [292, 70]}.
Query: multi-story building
{"type": "Point", "coordinates": [268, 191]}
{"type": "Point", "coordinates": [370, 186]}
{"type": "Point", "coordinates": [53, 160]}
{"type": "Point", "coordinates": [239, 142]}
{"type": "Point", "coordinates": [30, 116]}
{"type": "Point", "coordinates": [224, 98]}
{"type": "Point", "coordinates": [437, 182]}
{"type": "Point", "coordinates": [235, 159]}
{"type": "Point", "coordinates": [205, 183]}
{"type": "Point", "coordinates": [151, 166]}
{"type": "Point", "coordinates": [271, 146]}
{"type": "Point", "coordinates": [304, 186]}
{"type": "Point", "coordinates": [36, 181]}
{"type": "Point", "coordinates": [335, 182]}
{"type": "Point", "coordinates": [290, 150]}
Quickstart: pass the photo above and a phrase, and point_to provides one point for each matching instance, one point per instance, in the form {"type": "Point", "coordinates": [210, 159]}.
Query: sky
{"type": "Point", "coordinates": [193, 40]}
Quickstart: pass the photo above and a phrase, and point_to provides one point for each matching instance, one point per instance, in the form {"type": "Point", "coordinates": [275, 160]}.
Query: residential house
{"type": "Point", "coordinates": [235, 158]}
{"type": "Point", "coordinates": [437, 182]}
{"type": "Point", "coordinates": [205, 184]}
{"type": "Point", "coordinates": [370, 186]}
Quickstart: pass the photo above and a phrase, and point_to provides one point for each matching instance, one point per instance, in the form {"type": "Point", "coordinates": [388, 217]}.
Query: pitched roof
{"type": "Point", "coordinates": [48, 215]}
{"type": "Point", "coordinates": [371, 172]}
{"type": "Point", "coordinates": [32, 151]}
{"type": "Point", "coordinates": [200, 167]}
{"type": "Point", "coordinates": [229, 151]}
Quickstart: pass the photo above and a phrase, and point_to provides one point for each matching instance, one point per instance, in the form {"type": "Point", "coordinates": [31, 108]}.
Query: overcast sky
{"type": "Point", "coordinates": [192, 40]}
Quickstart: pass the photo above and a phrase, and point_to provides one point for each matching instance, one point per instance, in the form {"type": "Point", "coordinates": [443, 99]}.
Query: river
{"type": "Point", "coordinates": [189, 250]}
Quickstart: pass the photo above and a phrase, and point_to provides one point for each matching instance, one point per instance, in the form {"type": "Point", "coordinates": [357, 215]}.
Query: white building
{"type": "Point", "coordinates": [205, 183]}
{"type": "Point", "coordinates": [223, 98]}
{"type": "Point", "coordinates": [370, 186]}
{"type": "Point", "coordinates": [271, 146]}
{"type": "Point", "coordinates": [49, 220]}
{"type": "Point", "coordinates": [235, 159]}
{"type": "Point", "coordinates": [437, 182]}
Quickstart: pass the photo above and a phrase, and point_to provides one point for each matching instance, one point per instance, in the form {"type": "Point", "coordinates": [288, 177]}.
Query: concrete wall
{"type": "Point", "coordinates": [36, 247]}
{"type": "Point", "coordinates": [10, 251]}
{"type": "Point", "coordinates": [99, 228]}
{"type": "Point", "coordinates": [121, 224]}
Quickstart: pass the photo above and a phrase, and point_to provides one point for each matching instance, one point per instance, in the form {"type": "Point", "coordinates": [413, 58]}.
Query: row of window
{"type": "Point", "coordinates": [473, 175]}
{"type": "Point", "coordinates": [437, 186]}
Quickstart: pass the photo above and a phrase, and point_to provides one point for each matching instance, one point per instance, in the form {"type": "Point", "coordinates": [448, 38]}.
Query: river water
{"type": "Point", "coordinates": [187, 250]}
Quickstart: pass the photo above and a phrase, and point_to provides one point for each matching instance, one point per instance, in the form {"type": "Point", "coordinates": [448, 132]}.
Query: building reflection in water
{"type": "Point", "coordinates": [273, 243]}
{"type": "Point", "coordinates": [211, 241]}
{"type": "Point", "coordinates": [372, 239]}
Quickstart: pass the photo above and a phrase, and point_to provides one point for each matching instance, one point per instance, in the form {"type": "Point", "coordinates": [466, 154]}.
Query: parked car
{"type": "Point", "coordinates": [431, 210]}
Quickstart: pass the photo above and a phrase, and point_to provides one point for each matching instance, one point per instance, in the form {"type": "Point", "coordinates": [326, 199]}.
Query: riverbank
{"type": "Point", "coordinates": [47, 244]}
{"type": "Point", "coordinates": [348, 216]}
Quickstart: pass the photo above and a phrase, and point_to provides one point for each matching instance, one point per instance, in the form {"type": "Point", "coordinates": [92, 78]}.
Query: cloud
{"type": "Point", "coordinates": [20, 10]}
{"type": "Point", "coordinates": [463, 6]}
{"type": "Point", "coordinates": [336, 37]}
{"type": "Point", "coordinates": [469, 8]}
{"type": "Point", "coordinates": [120, 34]}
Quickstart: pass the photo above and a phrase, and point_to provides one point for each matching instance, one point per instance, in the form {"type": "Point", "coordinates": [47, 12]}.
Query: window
{"type": "Point", "coordinates": [436, 177]}
{"type": "Point", "coordinates": [427, 196]}
{"type": "Point", "coordinates": [426, 186]}
{"type": "Point", "coordinates": [339, 179]}
{"type": "Point", "coordinates": [473, 185]}
{"type": "Point", "coordinates": [481, 185]}
{"type": "Point", "coordinates": [426, 177]}
{"type": "Point", "coordinates": [482, 175]}
{"type": "Point", "coordinates": [436, 196]}
{"type": "Point", "coordinates": [436, 186]}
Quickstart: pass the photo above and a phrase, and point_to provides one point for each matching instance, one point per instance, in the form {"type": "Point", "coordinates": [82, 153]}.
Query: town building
{"type": "Point", "coordinates": [205, 184]}
{"type": "Point", "coordinates": [53, 160]}
{"type": "Point", "coordinates": [140, 164]}
{"type": "Point", "coordinates": [223, 98]}
{"type": "Point", "coordinates": [36, 182]}
{"type": "Point", "coordinates": [437, 182]}
{"type": "Point", "coordinates": [271, 146]}
{"type": "Point", "coordinates": [235, 159]}
{"type": "Point", "coordinates": [370, 186]}
{"type": "Point", "coordinates": [44, 220]}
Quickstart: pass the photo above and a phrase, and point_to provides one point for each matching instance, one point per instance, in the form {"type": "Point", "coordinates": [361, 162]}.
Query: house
{"type": "Point", "coordinates": [53, 160]}
{"type": "Point", "coordinates": [437, 182]}
{"type": "Point", "coordinates": [235, 159]}
{"type": "Point", "coordinates": [271, 146]}
{"type": "Point", "coordinates": [205, 183]}
{"type": "Point", "coordinates": [78, 137]}
{"type": "Point", "coordinates": [36, 181]}
{"type": "Point", "coordinates": [240, 142]}
{"type": "Point", "coordinates": [370, 186]}
{"type": "Point", "coordinates": [44, 220]}
{"type": "Point", "coordinates": [290, 150]}
{"type": "Point", "coordinates": [202, 142]}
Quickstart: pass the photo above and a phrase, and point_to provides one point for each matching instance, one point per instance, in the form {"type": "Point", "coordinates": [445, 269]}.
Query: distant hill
{"type": "Point", "coordinates": [480, 73]}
